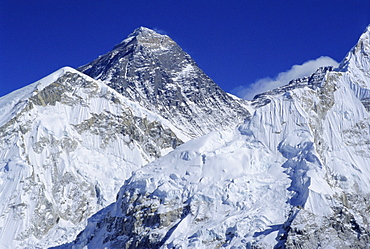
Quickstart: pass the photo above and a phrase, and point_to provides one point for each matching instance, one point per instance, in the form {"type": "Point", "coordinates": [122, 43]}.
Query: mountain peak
{"type": "Point", "coordinates": [151, 69]}
{"type": "Point", "coordinates": [366, 32]}
{"type": "Point", "coordinates": [364, 41]}
{"type": "Point", "coordinates": [148, 38]}
{"type": "Point", "coordinates": [363, 44]}
{"type": "Point", "coordinates": [143, 31]}
{"type": "Point", "coordinates": [359, 54]}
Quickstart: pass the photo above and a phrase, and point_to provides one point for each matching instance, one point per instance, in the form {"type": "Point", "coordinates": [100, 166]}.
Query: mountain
{"type": "Point", "coordinates": [68, 142]}
{"type": "Point", "coordinates": [152, 70]}
{"type": "Point", "coordinates": [294, 175]}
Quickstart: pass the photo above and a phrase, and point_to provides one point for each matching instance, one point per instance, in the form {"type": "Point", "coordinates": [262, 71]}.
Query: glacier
{"type": "Point", "coordinates": [68, 142]}
{"type": "Point", "coordinates": [294, 175]}
{"type": "Point", "coordinates": [67, 146]}
{"type": "Point", "coordinates": [193, 166]}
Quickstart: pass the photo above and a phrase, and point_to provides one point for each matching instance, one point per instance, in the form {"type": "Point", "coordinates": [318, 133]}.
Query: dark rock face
{"type": "Point", "coordinates": [153, 70]}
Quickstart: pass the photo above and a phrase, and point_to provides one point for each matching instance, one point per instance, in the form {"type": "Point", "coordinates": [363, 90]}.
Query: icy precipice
{"type": "Point", "coordinates": [294, 175]}
{"type": "Point", "coordinates": [67, 143]}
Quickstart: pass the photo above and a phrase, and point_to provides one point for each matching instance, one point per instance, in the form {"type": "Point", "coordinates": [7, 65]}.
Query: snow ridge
{"type": "Point", "coordinates": [305, 151]}
{"type": "Point", "coordinates": [287, 170]}
{"type": "Point", "coordinates": [57, 142]}
{"type": "Point", "coordinates": [68, 141]}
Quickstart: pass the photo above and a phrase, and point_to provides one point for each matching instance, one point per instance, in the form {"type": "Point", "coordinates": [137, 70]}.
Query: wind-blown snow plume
{"type": "Point", "coordinates": [297, 71]}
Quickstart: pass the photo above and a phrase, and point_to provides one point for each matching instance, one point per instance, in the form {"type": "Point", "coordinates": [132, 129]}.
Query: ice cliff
{"type": "Point", "coordinates": [294, 175]}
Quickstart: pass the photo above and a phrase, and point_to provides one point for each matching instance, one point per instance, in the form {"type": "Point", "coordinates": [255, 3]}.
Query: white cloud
{"type": "Point", "coordinates": [297, 71]}
{"type": "Point", "coordinates": [160, 31]}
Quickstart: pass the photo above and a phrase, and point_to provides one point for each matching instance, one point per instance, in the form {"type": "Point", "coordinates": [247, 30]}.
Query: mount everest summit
{"type": "Point", "coordinates": [68, 141]}
{"type": "Point", "coordinates": [152, 70]}
{"type": "Point", "coordinates": [289, 169]}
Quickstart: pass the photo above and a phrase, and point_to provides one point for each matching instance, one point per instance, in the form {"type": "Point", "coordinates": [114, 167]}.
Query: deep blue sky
{"type": "Point", "coordinates": [234, 42]}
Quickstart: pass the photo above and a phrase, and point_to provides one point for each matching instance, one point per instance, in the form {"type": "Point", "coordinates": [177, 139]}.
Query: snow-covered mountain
{"type": "Point", "coordinates": [68, 142]}
{"type": "Point", "coordinates": [152, 70]}
{"type": "Point", "coordinates": [296, 174]}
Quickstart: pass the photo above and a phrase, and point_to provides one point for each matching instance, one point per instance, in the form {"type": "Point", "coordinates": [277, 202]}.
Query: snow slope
{"type": "Point", "coordinates": [294, 175]}
{"type": "Point", "coordinates": [68, 142]}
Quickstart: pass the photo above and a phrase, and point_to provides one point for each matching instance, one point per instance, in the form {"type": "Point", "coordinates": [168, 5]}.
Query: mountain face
{"type": "Point", "coordinates": [67, 145]}
{"type": "Point", "coordinates": [152, 70]}
{"type": "Point", "coordinates": [68, 142]}
{"type": "Point", "coordinates": [289, 169]}
{"type": "Point", "coordinates": [295, 175]}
